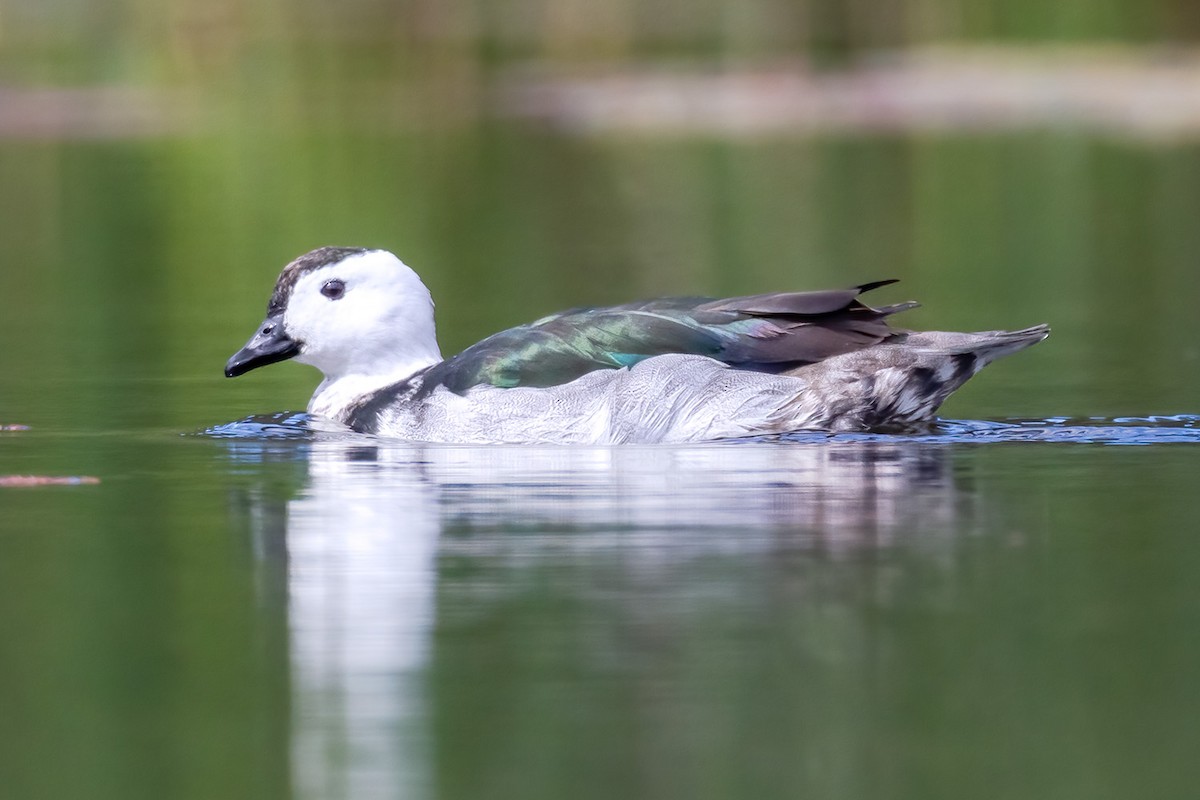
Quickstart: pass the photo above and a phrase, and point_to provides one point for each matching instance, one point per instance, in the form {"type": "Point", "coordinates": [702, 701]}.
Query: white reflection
{"type": "Point", "coordinates": [362, 537]}
{"type": "Point", "coordinates": [844, 495]}
{"type": "Point", "coordinates": [360, 545]}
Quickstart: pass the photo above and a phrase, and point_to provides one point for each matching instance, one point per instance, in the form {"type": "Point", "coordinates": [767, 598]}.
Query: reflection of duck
{"type": "Point", "coordinates": [845, 493]}
{"type": "Point", "coordinates": [374, 545]}
{"type": "Point", "coordinates": [678, 369]}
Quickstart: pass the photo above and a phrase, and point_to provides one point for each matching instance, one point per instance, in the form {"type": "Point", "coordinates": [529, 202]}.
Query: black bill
{"type": "Point", "coordinates": [267, 346]}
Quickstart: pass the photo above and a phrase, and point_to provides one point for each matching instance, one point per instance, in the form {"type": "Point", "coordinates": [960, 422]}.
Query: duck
{"type": "Point", "coordinates": [670, 370]}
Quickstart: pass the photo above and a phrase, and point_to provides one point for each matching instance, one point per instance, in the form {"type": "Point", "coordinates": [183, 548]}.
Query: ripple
{"type": "Point", "coordinates": [1148, 430]}
{"type": "Point", "coordinates": [1127, 430]}
{"type": "Point", "coordinates": [281, 425]}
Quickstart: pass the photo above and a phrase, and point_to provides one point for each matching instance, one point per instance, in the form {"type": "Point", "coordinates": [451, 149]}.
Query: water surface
{"type": "Point", "coordinates": [992, 609]}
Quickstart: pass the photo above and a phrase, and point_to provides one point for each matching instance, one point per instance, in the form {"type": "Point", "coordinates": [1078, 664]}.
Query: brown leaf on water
{"type": "Point", "coordinates": [47, 480]}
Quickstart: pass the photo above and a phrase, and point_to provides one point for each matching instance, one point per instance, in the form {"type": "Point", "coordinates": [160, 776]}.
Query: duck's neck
{"type": "Point", "coordinates": [337, 394]}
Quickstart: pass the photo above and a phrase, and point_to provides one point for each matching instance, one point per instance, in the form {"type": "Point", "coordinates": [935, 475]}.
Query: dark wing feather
{"type": "Point", "coordinates": [768, 332]}
{"type": "Point", "coordinates": [806, 304]}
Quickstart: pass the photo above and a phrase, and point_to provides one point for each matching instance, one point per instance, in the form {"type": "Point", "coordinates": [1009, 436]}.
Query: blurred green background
{"type": "Point", "coordinates": [1012, 161]}
{"type": "Point", "coordinates": [162, 161]}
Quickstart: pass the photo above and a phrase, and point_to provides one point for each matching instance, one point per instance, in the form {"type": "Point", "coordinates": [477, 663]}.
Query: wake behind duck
{"type": "Point", "coordinates": [668, 370]}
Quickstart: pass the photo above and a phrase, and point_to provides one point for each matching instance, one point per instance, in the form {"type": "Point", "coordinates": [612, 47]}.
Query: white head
{"type": "Point", "coordinates": [349, 312]}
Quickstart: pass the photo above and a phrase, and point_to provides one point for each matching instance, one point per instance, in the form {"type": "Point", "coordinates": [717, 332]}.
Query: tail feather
{"type": "Point", "coordinates": [896, 308]}
{"type": "Point", "coordinates": [899, 383]}
{"type": "Point", "coordinates": [987, 346]}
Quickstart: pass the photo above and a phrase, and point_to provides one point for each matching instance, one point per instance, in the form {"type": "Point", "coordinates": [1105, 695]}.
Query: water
{"type": "Point", "coordinates": [831, 615]}
{"type": "Point", "coordinates": [221, 602]}
{"type": "Point", "coordinates": [989, 609]}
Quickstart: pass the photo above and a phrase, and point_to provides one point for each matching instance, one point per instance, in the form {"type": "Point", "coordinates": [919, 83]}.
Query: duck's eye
{"type": "Point", "coordinates": [333, 289]}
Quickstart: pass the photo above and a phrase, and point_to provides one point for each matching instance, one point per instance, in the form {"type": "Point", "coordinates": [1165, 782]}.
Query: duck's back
{"type": "Point", "coordinates": [764, 333]}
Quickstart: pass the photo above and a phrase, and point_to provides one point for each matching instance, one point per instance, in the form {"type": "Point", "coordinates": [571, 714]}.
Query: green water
{"type": "Point", "coordinates": [256, 616]}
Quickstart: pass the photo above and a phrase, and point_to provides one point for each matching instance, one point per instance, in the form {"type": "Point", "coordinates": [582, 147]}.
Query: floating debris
{"type": "Point", "coordinates": [47, 480]}
{"type": "Point", "coordinates": [4, 427]}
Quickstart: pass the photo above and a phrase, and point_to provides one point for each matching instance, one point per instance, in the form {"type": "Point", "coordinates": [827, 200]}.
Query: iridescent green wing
{"type": "Point", "coordinates": [769, 332]}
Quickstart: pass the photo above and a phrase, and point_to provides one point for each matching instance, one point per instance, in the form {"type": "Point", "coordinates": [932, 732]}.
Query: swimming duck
{"type": "Point", "coordinates": [670, 370]}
